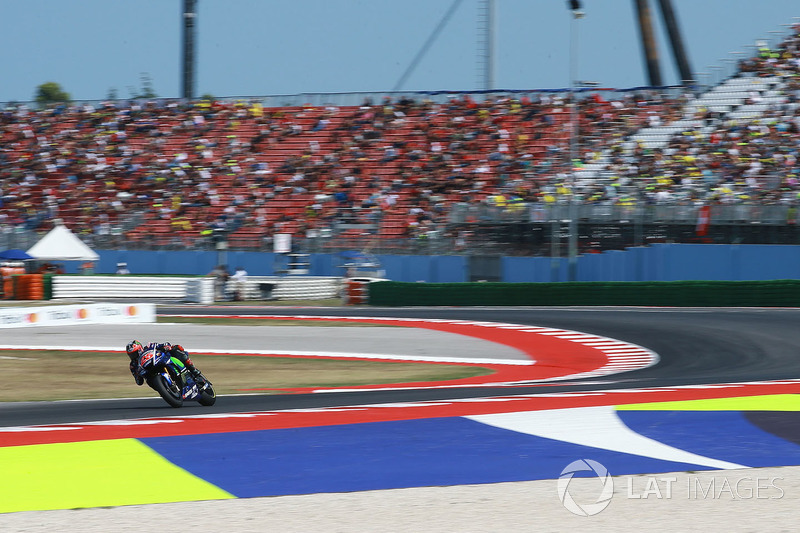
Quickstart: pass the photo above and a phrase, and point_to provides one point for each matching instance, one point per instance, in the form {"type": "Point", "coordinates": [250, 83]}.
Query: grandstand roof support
{"type": "Point", "coordinates": [189, 16]}
{"type": "Point", "coordinates": [648, 42]}
{"type": "Point", "coordinates": [572, 243]}
{"type": "Point", "coordinates": [486, 44]}
{"type": "Point", "coordinates": [431, 39]}
{"type": "Point", "coordinates": [678, 52]}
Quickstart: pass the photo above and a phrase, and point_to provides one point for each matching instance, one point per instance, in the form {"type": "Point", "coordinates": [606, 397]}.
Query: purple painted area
{"type": "Point", "coordinates": [384, 455]}
{"type": "Point", "coordinates": [725, 435]}
{"type": "Point", "coordinates": [783, 424]}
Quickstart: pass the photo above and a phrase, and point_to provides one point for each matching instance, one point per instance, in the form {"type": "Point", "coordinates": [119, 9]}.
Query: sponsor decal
{"type": "Point", "coordinates": [12, 319]}
{"type": "Point", "coordinates": [76, 314]}
{"type": "Point", "coordinates": [57, 314]}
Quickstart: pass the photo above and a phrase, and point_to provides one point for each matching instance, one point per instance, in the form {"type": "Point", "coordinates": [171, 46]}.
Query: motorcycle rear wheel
{"type": "Point", "coordinates": [170, 393]}
{"type": "Point", "coordinates": [207, 396]}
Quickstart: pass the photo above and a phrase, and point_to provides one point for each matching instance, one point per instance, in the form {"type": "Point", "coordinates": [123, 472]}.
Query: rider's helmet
{"type": "Point", "coordinates": [134, 349]}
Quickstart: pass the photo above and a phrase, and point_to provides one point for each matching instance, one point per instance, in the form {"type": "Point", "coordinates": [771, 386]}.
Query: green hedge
{"type": "Point", "coordinates": [773, 293]}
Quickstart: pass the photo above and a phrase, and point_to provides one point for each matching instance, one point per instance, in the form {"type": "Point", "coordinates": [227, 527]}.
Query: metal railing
{"type": "Point", "coordinates": [16, 237]}
{"type": "Point", "coordinates": [359, 98]}
{"type": "Point", "coordinates": [437, 238]}
{"type": "Point", "coordinates": [487, 228]}
{"type": "Point", "coordinates": [621, 214]}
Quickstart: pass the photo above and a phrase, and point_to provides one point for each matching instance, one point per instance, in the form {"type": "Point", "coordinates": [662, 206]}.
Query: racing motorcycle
{"type": "Point", "coordinates": [170, 378]}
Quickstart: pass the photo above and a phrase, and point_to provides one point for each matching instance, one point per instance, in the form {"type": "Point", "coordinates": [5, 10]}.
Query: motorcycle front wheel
{"type": "Point", "coordinates": [170, 392]}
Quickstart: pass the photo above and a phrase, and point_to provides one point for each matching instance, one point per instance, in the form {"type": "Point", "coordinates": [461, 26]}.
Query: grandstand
{"type": "Point", "coordinates": [400, 172]}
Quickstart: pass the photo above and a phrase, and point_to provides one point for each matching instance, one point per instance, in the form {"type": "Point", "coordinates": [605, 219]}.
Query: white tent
{"type": "Point", "coordinates": [62, 245]}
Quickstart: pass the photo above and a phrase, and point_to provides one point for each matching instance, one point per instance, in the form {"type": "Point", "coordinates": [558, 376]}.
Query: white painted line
{"type": "Point", "coordinates": [622, 350]}
{"type": "Point", "coordinates": [25, 429]}
{"type": "Point", "coordinates": [598, 427]}
{"type": "Point", "coordinates": [606, 343]}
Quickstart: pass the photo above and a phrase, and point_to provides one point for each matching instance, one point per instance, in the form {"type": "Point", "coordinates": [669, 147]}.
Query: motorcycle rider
{"type": "Point", "coordinates": [135, 349]}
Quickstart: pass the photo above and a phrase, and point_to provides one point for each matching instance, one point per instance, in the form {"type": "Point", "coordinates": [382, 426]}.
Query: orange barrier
{"type": "Point", "coordinates": [7, 274]}
{"type": "Point", "coordinates": [357, 292]}
{"type": "Point", "coordinates": [36, 287]}
{"type": "Point", "coordinates": [28, 287]}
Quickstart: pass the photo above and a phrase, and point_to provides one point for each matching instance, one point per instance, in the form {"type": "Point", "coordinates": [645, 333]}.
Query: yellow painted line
{"type": "Point", "coordinates": [102, 473]}
{"type": "Point", "coordinates": [771, 402]}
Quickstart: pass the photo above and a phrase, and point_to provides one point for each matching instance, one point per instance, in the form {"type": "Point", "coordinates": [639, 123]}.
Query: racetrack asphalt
{"type": "Point", "coordinates": [696, 346]}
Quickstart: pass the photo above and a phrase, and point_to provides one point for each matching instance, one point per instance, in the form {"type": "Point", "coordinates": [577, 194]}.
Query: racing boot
{"type": "Point", "coordinates": [198, 377]}
{"type": "Point", "coordinates": [136, 377]}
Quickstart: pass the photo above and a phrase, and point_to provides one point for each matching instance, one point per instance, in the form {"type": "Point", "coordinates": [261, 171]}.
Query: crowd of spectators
{"type": "Point", "coordinates": [721, 160]}
{"type": "Point", "coordinates": [193, 169]}
{"type": "Point", "coordinates": [171, 171]}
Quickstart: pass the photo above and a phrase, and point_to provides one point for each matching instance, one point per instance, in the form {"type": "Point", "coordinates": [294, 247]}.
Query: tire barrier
{"type": "Point", "coordinates": [357, 292]}
{"type": "Point", "coordinates": [28, 287]}
{"type": "Point", "coordinates": [773, 293]}
{"type": "Point", "coordinates": [7, 274]}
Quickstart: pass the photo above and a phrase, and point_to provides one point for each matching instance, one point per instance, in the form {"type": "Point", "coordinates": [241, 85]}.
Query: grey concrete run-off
{"type": "Point", "coordinates": [199, 337]}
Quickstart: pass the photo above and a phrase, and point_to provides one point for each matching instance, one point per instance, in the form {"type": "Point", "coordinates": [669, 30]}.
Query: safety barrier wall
{"type": "Point", "coordinates": [658, 262]}
{"type": "Point", "coordinates": [200, 290]}
{"type": "Point", "coordinates": [301, 289]}
{"type": "Point", "coordinates": [288, 288]}
{"type": "Point", "coordinates": [139, 287]}
{"type": "Point", "coordinates": [439, 269]}
{"type": "Point", "coordinates": [776, 293]}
